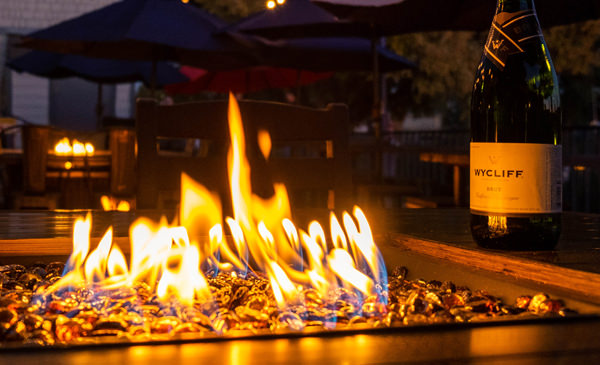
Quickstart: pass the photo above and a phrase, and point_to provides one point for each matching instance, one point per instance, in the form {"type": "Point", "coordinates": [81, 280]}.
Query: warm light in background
{"type": "Point", "coordinates": [78, 148]}
{"type": "Point", "coordinates": [271, 4]}
{"type": "Point", "coordinates": [64, 147]}
{"type": "Point", "coordinates": [89, 148]}
{"type": "Point", "coordinates": [185, 1]}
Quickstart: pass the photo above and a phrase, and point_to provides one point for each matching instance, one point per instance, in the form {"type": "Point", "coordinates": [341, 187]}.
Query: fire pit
{"type": "Point", "coordinates": [256, 276]}
{"type": "Point", "coordinates": [515, 334]}
{"type": "Point", "coordinates": [36, 313]}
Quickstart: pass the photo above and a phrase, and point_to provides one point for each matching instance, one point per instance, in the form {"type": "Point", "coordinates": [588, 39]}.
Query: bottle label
{"type": "Point", "coordinates": [515, 178]}
{"type": "Point", "coordinates": [508, 33]}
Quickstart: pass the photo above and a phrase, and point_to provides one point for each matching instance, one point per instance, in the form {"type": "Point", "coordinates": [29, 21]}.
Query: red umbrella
{"type": "Point", "coordinates": [243, 80]}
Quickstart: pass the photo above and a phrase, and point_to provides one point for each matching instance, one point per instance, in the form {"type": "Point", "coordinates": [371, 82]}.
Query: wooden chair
{"type": "Point", "coordinates": [47, 182]}
{"type": "Point", "coordinates": [309, 155]}
{"type": "Point", "coordinates": [121, 142]}
{"type": "Point", "coordinates": [34, 193]}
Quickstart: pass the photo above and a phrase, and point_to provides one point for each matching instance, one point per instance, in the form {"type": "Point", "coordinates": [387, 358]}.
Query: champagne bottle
{"type": "Point", "coordinates": [516, 153]}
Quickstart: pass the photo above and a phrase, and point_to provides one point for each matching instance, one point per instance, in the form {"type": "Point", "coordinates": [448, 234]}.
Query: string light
{"type": "Point", "coordinates": [271, 4]}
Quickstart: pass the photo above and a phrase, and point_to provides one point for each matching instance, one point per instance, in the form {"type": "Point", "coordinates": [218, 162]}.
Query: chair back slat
{"type": "Point", "coordinates": [310, 149]}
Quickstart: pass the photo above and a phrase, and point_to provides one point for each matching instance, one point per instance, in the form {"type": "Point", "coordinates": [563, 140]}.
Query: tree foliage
{"type": "Point", "coordinates": [231, 10]}
{"type": "Point", "coordinates": [575, 48]}
{"type": "Point", "coordinates": [444, 77]}
{"type": "Point", "coordinates": [575, 51]}
{"type": "Point", "coordinates": [446, 65]}
{"type": "Point", "coordinates": [447, 62]}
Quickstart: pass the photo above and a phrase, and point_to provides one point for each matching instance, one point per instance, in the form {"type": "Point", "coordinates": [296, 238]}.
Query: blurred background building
{"type": "Point", "coordinates": [66, 103]}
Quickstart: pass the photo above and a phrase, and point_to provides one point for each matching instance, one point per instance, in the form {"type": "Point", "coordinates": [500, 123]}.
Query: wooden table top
{"type": "Point", "coordinates": [412, 233]}
{"type": "Point", "coordinates": [578, 248]}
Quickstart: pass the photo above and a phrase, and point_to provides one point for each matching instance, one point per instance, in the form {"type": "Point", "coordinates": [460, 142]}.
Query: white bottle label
{"type": "Point", "coordinates": [515, 178]}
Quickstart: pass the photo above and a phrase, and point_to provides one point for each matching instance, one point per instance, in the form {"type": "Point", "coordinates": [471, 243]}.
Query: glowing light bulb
{"type": "Point", "coordinates": [89, 148]}
{"type": "Point", "coordinates": [271, 4]}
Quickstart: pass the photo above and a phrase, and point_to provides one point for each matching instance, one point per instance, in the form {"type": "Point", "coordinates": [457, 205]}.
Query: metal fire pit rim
{"type": "Point", "coordinates": [244, 335]}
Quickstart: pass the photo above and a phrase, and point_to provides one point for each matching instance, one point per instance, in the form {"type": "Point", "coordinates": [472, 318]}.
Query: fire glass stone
{"type": "Point", "coordinates": [8, 317]}
{"type": "Point", "coordinates": [29, 280]}
{"type": "Point", "coordinates": [12, 271]}
{"type": "Point", "coordinates": [188, 328]}
{"type": "Point", "coordinates": [33, 322]}
{"type": "Point", "coordinates": [55, 268]}
{"type": "Point", "coordinates": [68, 330]}
{"type": "Point", "coordinates": [32, 314]}
{"type": "Point", "coordinates": [311, 298]}
{"type": "Point", "coordinates": [165, 324]}
{"type": "Point", "coordinates": [290, 320]}
{"type": "Point", "coordinates": [40, 338]}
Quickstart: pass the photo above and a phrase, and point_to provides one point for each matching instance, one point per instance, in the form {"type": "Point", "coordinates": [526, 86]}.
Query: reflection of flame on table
{"type": "Point", "coordinates": [111, 203]}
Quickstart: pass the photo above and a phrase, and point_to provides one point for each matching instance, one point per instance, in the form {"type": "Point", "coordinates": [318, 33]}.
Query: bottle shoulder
{"type": "Point", "coordinates": [523, 73]}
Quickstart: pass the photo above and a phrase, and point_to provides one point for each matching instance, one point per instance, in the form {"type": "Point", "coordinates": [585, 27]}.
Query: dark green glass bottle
{"type": "Point", "coordinates": [516, 155]}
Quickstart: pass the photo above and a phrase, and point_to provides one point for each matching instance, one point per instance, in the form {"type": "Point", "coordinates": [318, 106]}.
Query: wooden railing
{"type": "Point", "coordinates": [435, 163]}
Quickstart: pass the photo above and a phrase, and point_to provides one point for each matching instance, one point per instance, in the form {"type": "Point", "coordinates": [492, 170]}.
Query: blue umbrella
{"type": "Point", "coordinates": [150, 30]}
{"type": "Point", "coordinates": [298, 19]}
{"type": "Point", "coordinates": [331, 54]}
{"type": "Point", "coordinates": [302, 18]}
{"type": "Point", "coordinates": [103, 71]}
{"type": "Point", "coordinates": [57, 65]}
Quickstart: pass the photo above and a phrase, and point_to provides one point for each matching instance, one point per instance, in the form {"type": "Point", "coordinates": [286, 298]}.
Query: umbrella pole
{"type": "Point", "coordinates": [99, 107]}
{"type": "Point", "coordinates": [376, 111]}
{"type": "Point", "coordinates": [298, 78]}
{"type": "Point", "coordinates": [153, 79]}
{"type": "Point", "coordinates": [248, 81]}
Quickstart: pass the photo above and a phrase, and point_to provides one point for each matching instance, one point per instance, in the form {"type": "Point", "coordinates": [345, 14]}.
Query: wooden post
{"type": "Point", "coordinates": [122, 167]}
{"type": "Point", "coordinates": [35, 157]}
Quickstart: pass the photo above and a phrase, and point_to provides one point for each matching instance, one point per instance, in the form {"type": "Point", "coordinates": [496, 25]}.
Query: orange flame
{"type": "Point", "coordinates": [262, 238]}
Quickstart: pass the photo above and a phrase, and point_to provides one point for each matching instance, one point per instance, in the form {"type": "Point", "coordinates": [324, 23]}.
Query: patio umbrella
{"type": "Point", "coordinates": [389, 17]}
{"type": "Point", "coordinates": [332, 54]}
{"type": "Point", "coordinates": [298, 19]}
{"type": "Point", "coordinates": [244, 80]}
{"type": "Point", "coordinates": [376, 18]}
{"type": "Point", "coordinates": [292, 63]}
{"type": "Point", "coordinates": [150, 30]}
{"type": "Point", "coordinates": [102, 71]}
{"type": "Point", "coordinates": [302, 19]}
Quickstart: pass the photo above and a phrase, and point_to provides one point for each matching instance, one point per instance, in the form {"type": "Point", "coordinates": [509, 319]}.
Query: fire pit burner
{"type": "Point", "coordinates": [242, 305]}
